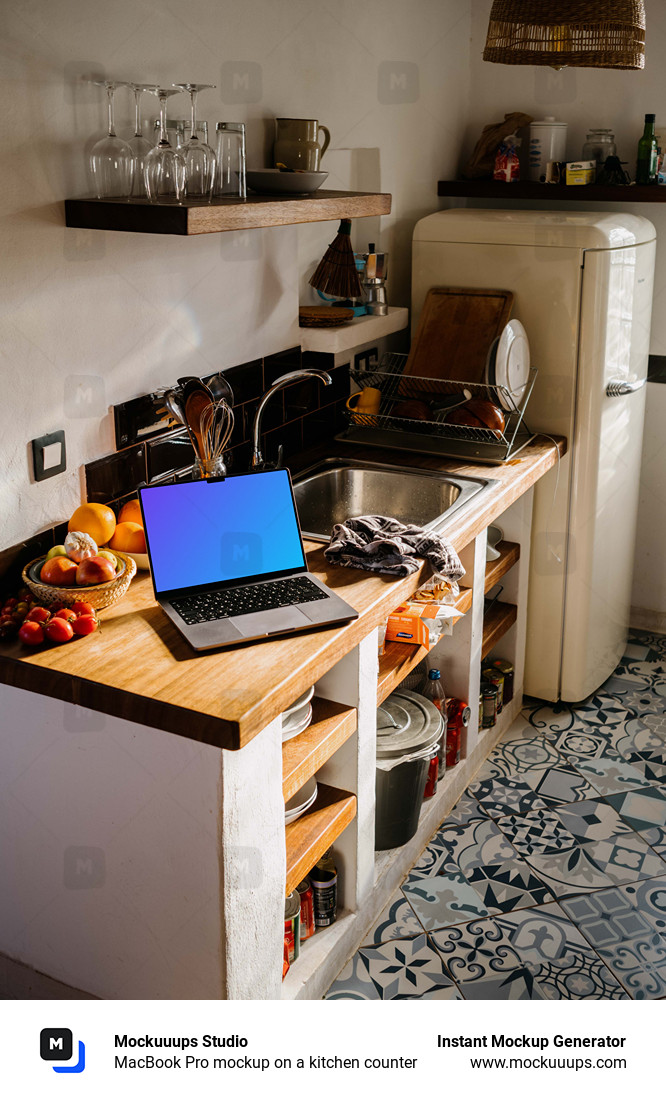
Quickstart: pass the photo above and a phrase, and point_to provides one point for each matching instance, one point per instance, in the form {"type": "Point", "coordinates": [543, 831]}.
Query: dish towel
{"type": "Point", "coordinates": [380, 544]}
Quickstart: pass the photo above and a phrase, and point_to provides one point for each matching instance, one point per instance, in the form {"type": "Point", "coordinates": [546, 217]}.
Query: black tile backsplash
{"type": "Point", "coordinates": [246, 380]}
{"type": "Point", "coordinates": [281, 363]}
{"type": "Point", "coordinates": [115, 475]}
{"type": "Point", "coordinates": [163, 456]}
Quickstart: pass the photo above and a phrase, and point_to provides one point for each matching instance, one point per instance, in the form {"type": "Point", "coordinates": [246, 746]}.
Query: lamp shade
{"type": "Point", "coordinates": [598, 34]}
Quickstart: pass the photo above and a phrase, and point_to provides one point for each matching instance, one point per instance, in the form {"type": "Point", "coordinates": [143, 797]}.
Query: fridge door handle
{"type": "Point", "coordinates": [618, 387]}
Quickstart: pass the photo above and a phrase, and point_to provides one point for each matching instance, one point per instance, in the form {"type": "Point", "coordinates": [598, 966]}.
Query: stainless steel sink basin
{"type": "Point", "coordinates": [337, 489]}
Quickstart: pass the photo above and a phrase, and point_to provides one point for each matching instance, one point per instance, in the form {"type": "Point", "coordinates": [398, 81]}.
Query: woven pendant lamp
{"type": "Point", "coordinates": [598, 34]}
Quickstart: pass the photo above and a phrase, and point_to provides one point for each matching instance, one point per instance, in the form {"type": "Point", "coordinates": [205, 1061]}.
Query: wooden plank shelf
{"type": "Point", "coordinates": [308, 838]}
{"type": "Point", "coordinates": [224, 214]}
{"type": "Point", "coordinates": [509, 553]}
{"type": "Point", "coordinates": [401, 658]}
{"type": "Point", "coordinates": [499, 619]}
{"type": "Point", "coordinates": [332, 723]}
{"type": "Point", "coordinates": [547, 192]}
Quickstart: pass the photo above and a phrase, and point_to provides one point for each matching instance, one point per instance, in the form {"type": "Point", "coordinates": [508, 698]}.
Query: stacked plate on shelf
{"type": "Point", "coordinates": [298, 716]}
{"type": "Point", "coordinates": [301, 801]}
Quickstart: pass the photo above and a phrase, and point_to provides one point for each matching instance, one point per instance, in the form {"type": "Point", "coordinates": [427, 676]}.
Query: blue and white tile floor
{"type": "Point", "coordinates": [548, 879]}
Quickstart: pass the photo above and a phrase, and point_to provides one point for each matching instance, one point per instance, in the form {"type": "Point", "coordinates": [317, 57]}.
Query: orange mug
{"type": "Point", "coordinates": [365, 401]}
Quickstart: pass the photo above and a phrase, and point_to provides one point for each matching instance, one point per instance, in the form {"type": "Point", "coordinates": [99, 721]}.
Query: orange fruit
{"type": "Point", "coordinates": [131, 512]}
{"type": "Point", "coordinates": [97, 520]}
{"type": "Point", "coordinates": [128, 537]}
{"type": "Point", "coordinates": [58, 571]}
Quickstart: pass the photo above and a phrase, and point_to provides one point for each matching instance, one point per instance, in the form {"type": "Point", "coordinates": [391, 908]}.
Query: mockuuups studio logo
{"type": "Point", "coordinates": [241, 82]}
{"type": "Point", "coordinates": [398, 82]}
{"type": "Point", "coordinates": [84, 396]}
{"type": "Point", "coordinates": [56, 1045]}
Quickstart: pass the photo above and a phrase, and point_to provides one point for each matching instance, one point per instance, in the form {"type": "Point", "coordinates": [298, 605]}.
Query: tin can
{"type": "Point", "coordinates": [432, 777]}
{"type": "Point", "coordinates": [324, 880]}
{"type": "Point", "coordinates": [507, 669]}
{"type": "Point", "coordinates": [489, 697]}
{"type": "Point", "coordinates": [292, 925]}
{"type": "Point", "coordinates": [453, 745]}
{"type": "Point", "coordinates": [494, 676]}
{"type": "Point", "coordinates": [307, 927]}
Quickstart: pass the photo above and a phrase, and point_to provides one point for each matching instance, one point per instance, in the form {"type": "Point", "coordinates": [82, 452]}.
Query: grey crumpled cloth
{"type": "Point", "coordinates": [381, 544]}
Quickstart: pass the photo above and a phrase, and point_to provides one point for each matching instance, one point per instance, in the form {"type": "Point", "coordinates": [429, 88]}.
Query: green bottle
{"type": "Point", "coordinates": [646, 162]}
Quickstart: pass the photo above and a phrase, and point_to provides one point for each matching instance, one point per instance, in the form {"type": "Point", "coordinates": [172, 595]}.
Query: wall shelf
{"type": "Point", "coordinates": [332, 723]}
{"type": "Point", "coordinates": [499, 619]}
{"type": "Point", "coordinates": [223, 215]}
{"type": "Point", "coordinates": [509, 554]}
{"type": "Point", "coordinates": [527, 189]}
{"type": "Point", "coordinates": [309, 837]}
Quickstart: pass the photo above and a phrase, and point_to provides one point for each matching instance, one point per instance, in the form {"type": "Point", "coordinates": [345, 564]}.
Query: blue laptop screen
{"type": "Point", "coordinates": [208, 532]}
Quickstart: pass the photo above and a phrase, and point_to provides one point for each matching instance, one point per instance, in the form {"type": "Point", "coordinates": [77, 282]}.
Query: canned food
{"type": "Point", "coordinates": [453, 744]}
{"type": "Point", "coordinates": [324, 880]}
{"type": "Point", "coordinates": [292, 925]}
{"type": "Point", "coordinates": [494, 676]}
{"type": "Point", "coordinates": [507, 669]}
{"type": "Point", "coordinates": [307, 928]}
{"type": "Point", "coordinates": [489, 697]}
{"type": "Point", "coordinates": [432, 777]}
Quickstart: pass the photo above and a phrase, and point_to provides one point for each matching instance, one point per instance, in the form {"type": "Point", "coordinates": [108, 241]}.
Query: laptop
{"type": "Point", "coordinates": [227, 560]}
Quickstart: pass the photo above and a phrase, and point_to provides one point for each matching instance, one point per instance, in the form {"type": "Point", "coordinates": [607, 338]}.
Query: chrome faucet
{"type": "Point", "coordinates": [257, 462]}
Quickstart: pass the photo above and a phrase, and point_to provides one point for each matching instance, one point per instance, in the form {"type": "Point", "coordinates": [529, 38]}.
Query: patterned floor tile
{"type": "Point", "coordinates": [441, 900]}
{"type": "Point", "coordinates": [479, 949]}
{"type": "Point", "coordinates": [523, 752]}
{"type": "Point", "coordinates": [657, 723]}
{"type": "Point", "coordinates": [586, 744]}
{"type": "Point", "coordinates": [558, 785]}
{"type": "Point", "coordinates": [398, 921]}
{"type": "Point", "coordinates": [478, 844]}
{"type": "Point", "coordinates": [435, 859]}
{"type": "Point", "coordinates": [650, 899]}
{"type": "Point", "coordinates": [405, 969]}
{"type": "Point", "coordinates": [579, 976]}
{"type": "Point", "coordinates": [537, 831]}
{"type": "Point", "coordinates": [353, 983]}
{"type": "Point", "coordinates": [516, 985]}
{"type": "Point", "coordinates": [508, 886]}
{"type": "Point", "coordinates": [506, 795]}
{"type": "Point", "coordinates": [640, 809]}
{"type": "Point", "coordinates": [466, 809]}
{"type": "Point", "coordinates": [569, 873]}
{"type": "Point", "coordinates": [611, 776]}
{"type": "Point", "coordinates": [640, 686]}
{"type": "Point", "coordinates": [541, 934]}
{"type": "Point", "coordinates": [656, 838]}
{"type": "Point", "coordinates": [592, 820]}
{"type": "Point", "coordinates": [625, 939]}
{"type": "Point", "coordinates": [625, 858]}
{"type": "Point", "coordinates": [650, 768]}
{"type": "Point", "coordinates": [550, 719]}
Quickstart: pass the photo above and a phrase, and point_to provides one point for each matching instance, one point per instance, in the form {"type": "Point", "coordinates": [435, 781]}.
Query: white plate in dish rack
{"type": "Point", "coordinates": [511, 368]}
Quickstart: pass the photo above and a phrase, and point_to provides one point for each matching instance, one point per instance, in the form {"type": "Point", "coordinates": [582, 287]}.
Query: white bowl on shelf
{"type": "Point", "coordinates": [300, 802]}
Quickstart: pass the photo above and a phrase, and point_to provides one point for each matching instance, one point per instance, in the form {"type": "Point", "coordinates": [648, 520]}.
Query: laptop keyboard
{"type": "Point", "coordinates": [207, 606]}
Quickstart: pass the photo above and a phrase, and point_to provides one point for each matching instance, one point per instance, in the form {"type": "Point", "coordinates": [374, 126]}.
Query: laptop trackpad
{"type": "Point", "coordinates": [276, 620]}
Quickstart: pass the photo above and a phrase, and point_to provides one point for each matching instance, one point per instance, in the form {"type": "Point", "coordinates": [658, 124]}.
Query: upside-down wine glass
{"type": "Point", "coordinates": [200, 159]}
{"type": "Point", "coordinates": [139, 145]}
{"type": "Point", "coordinates": [111, 158]}
{"type": "Point", "coordinates": [164, 168]}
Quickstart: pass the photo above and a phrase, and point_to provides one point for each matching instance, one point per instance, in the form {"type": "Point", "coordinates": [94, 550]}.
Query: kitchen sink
{"type": "Point", "coordinates": [337, 489]}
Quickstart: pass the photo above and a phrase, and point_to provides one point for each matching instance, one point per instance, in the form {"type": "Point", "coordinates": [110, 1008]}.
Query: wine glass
{"type": "Point", "coordinates": [111, 158]}
{"type": "Point", "coordinates": [200, 159]}
{"type": "Point", "coordinates": [139, 145]}
{"type": "Point", "coordinates": [164, 168]}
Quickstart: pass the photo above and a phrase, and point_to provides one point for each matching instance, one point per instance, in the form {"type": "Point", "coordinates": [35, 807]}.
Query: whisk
{"type": "Point", "coordinates": [216, 425]}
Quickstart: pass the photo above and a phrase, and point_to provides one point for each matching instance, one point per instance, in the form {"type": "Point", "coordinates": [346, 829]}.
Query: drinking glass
{"type": "Point", "coordinates": [230, 178]}
{"type": "Point", "coordinates": [139, 145]}
{"type": "Point", "coordinates": [199, 157]}
{"type": "Point", "coordinates": [164, 168]}
{"type": "Point", "coordinates": [111, 158]}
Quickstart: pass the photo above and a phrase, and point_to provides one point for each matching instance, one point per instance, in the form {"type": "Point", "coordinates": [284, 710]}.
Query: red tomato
{"type": "Point", "coordinates": [38, 615]}
{"type": "Point", "coordinates": [83, 608]}
{"type": "Point", "coordinates": [65, 613]}
{"type": "Point", "coordinates": [31, 633]}
{"type": "Point", "coordinates": [59, 630]}
{"type": "Point", "coordinates": [85, 624]}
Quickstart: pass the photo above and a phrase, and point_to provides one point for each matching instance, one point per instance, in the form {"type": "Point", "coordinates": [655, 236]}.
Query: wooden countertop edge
{"type": "Point", "coordinates": [302, 658]}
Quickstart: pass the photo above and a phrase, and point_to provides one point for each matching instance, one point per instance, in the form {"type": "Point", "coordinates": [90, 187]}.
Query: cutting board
{"type": "Point", "coordinates": [456, 329]}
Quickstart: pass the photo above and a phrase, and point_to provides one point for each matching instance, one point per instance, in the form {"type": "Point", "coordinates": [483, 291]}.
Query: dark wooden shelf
{"type": "Point", "coordinates": [550, 192]}
{"type": "Point", "coordinates": [509, 553]}
{"type": "Point", "coordinates": [499, 619]}
{"type": "Point", "coordinates": [308, 838]}
{"type": "Point", "coordinates": [223, 215]}
{"type": "Point", "coordinates": [332, 723]}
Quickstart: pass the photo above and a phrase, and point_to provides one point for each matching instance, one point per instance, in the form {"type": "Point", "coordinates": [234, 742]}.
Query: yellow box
{"type": "Point", "coordinates": [408, 623]}
{"type": "Point", "coordinates": [581, 171]}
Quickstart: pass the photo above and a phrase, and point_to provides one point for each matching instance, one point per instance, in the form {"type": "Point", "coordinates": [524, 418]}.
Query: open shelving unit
{"type": "Point", "coordinates": [224, 214]}
{"type": "Point", "coordinates": [332, 723]}
{"type": "Point", "coordinates": [540, 192]}
{"type": "Point", "coordinates": [309, 836]}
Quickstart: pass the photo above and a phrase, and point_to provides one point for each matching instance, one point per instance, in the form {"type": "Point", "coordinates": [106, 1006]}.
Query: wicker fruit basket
{"type": "Point", "coordinates": [98, 595]}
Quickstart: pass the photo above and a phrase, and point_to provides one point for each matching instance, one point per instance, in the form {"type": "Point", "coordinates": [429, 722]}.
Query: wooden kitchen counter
{"type": "Point", "coordinates": [137, 666]}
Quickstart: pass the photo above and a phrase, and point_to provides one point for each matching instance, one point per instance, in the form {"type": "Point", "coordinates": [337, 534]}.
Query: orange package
{"type": "Point", "coordinates": [420, 623]}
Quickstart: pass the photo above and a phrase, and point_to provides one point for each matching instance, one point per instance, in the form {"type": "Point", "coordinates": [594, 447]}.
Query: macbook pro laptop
{"type": "Point", "coordinates": [227, 560]}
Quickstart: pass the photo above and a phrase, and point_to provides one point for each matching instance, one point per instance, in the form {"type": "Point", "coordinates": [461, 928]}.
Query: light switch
{"type": "Point", "coordinates": [49, 456]}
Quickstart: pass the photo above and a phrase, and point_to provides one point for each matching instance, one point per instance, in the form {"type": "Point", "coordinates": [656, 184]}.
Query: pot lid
{"type": "Point", "coordinates": [406, 722]}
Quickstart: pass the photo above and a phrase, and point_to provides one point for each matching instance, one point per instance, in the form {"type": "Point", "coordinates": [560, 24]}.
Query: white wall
{"type": "Point", "coordinates": [618, 100]}
{"type": "Point", "coordinates": [88, 319]}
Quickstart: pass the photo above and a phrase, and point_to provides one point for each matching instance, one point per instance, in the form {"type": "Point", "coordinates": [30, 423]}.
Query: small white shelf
{"type": "Point", "coordinates": [356, 333]}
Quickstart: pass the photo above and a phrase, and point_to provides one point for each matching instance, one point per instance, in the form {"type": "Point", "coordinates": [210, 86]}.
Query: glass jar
{"type": "Point", "coordinates": [599, 145]}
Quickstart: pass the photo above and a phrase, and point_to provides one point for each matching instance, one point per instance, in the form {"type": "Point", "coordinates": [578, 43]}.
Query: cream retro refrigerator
{"type": "Point", "coordinates": [582, 285]}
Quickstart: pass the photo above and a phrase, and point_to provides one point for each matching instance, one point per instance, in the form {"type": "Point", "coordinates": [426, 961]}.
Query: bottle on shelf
{"type": "Point", "coordinates": [646, 161]}
{"type": "Point", "coordinates": [324, 882]}
{"type": "Point", "coordinates": [434, 691]}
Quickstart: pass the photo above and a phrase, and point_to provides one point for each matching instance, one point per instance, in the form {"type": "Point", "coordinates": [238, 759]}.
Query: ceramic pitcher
{"type": "Point", "coordinates": [297, 143]}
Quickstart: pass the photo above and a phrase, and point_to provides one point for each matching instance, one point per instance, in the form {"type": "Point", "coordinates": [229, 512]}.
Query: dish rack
{"type": "Point", "coordinates": [436, 436]}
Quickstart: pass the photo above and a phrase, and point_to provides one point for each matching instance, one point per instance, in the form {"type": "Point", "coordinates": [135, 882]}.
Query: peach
{"type": "Point", "coordinates": [94, 570]}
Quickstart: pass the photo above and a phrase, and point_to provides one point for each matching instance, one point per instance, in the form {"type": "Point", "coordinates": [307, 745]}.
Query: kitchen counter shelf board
{"type": "Point", "coordinates": [160, 743]}
{"type": "Point", "coordinates": [222, 215]}
{"type": "Point", "coordinates": [546, 192]}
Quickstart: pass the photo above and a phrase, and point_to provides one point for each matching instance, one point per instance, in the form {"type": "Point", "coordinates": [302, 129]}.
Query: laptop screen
{"type": "Point", "coordinates": [208, 532]}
